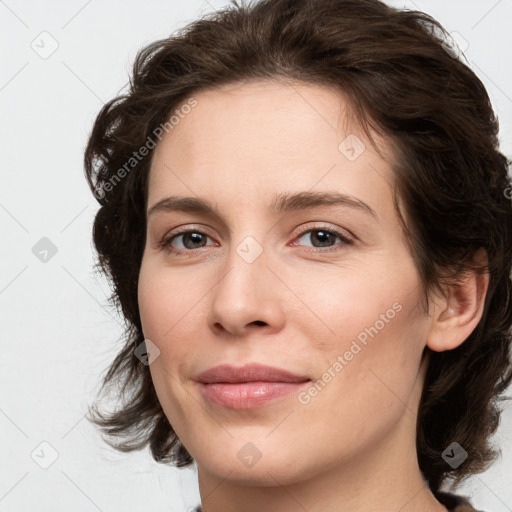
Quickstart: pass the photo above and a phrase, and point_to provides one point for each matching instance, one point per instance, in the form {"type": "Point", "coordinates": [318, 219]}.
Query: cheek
{"type": "Point", "coordinates": [172, 315]}
{"type": "Point", "coordinates": [353, 304]}
{"type": "Point", "coordinates": [168, 320]}
{"type": "Point", "coordinates": [164, 302]}
{"type": "Point", "coordinates": [370, 354]}
{"type": "Point", "coordinates": [362, 389]}
{"type": "Point", "coordinates": [372, 363]}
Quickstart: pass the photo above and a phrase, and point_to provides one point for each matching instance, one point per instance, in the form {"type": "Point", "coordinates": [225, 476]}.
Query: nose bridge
{"type": "Point", "coordinates": [249, 249]}
{"type": "Point", "coordinates": [244, 294]}
{"type": "Point", "coordinates": [246, 267]}
{"type": "Point", "coordinates": [248, 239]}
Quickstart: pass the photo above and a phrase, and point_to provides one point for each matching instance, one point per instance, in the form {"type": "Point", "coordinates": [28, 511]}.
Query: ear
{"type": "Point", "coordinates": [458, 312]}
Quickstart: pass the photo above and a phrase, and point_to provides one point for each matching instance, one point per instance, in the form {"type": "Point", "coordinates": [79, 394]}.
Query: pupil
{"type": "Point", "coordinates": [323, 234]}
{"type": "Point", "coordinates": [196, 237]}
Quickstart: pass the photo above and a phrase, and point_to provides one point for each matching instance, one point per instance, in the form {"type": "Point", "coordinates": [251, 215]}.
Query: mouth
{"type": "Point", "coordinates": [248, 387]}
{"type": "Point", "coordinates": [249, 395]}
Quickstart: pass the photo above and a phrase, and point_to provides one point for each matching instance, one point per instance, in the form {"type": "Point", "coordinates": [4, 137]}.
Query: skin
{"type": "Point", "coordinates": [352, 447]}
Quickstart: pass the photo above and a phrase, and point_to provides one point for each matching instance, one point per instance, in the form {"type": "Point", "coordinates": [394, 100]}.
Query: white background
{"type": "Point", "coordinates": [58, 335]}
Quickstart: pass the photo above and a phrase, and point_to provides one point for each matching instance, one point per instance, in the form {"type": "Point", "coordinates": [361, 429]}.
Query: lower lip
{"type": "Point", "coordinates": [248, 395]}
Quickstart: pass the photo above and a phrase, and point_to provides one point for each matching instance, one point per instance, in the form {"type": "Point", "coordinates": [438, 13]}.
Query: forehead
{"type": "Point", "coordinates": [257, 110]}
{"type": "Point", "coordinates": [251, 140]}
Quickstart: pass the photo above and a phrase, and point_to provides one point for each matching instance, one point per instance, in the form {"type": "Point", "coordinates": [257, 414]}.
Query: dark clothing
{"type": "Point", "coordinates": [455, 503]}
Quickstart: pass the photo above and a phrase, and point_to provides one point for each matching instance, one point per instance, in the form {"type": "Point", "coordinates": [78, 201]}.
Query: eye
{"type": "Point", "coordinates": [324, 236]}
{"type": "Point", "coordinates": [191, 239]}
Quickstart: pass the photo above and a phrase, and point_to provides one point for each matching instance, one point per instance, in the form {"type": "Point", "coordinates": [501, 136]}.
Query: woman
{"type": "Point", "coordinates": [305, 217]}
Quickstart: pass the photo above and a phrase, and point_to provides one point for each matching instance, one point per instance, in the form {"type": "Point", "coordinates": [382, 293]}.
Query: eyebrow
{"type": "Point", "coordinates": [282, 203]}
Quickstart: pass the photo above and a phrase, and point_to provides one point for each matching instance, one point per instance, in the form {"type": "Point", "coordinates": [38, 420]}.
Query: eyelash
{"type": "Point", "coordinates": [165, 243]}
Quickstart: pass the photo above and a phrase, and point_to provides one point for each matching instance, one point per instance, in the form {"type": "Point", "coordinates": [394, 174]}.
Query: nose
{"type": "Point", "coordinates": [248, 296]}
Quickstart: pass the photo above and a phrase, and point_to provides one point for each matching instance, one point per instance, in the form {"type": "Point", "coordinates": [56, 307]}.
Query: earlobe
{"type": "Point", "coordinates": [458, 314]}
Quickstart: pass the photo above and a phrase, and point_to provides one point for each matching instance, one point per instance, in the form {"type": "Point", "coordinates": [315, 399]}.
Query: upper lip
{"type": "Point", "coordinates": [248, 373]}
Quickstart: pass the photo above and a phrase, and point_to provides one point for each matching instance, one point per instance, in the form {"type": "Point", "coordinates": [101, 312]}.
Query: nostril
{"type": "Point", "coordinates": [259, 322]}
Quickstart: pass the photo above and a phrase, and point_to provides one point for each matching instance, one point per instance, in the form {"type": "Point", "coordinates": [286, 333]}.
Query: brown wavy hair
{"type": "Point", "coordinates": [404, 82]}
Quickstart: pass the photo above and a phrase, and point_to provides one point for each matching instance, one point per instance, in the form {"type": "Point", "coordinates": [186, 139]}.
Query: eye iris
{"type": "Point", "coordinates": [196, 238]}
{"type": "Point", "coordinates": [324, 237]}
{"type": "Point", "coordinates": [319, 238]}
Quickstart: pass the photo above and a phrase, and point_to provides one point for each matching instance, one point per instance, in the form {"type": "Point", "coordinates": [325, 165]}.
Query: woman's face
{"type": "Point", "coordinates": [327, 292]}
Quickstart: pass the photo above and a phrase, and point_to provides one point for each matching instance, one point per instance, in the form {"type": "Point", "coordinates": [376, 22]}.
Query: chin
{"type": "Point", "coordinates": [245, 460]}
{"type": "Point", "coordinates": [267, 473]}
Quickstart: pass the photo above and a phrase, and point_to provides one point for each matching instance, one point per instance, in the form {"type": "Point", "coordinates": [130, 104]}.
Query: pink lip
{"type": "Point", "coordinates": [250, 386]}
